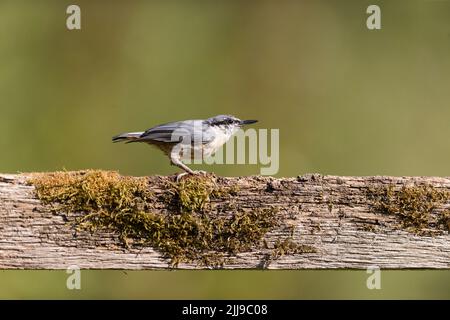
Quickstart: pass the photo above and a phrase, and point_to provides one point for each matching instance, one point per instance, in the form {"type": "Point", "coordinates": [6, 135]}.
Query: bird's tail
{"type": "Point", "coordinates": [128, 137]}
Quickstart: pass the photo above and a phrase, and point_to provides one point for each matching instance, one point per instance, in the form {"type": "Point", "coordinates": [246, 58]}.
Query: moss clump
{"type": "Point", "coordinates": [444, 220]}
{"type": "Point", "coordinates": [189, 237]}
{"type": "Point", "coordinates": [368, 227]}
{"type": "Point", "coordinates": [413, 205]}
{"type": "Point", "coordinates": [288, 247]}
{"type": "Point", "coordinates": [209, 239]}
{"type": "Point", "coordinates": [92, 190]}
{"type": "Point", "coordinates": [190, 233]}
{"type": "Point", "coordinates": [194, 193]}
{"type": "Point", "coordinates": [282, 248]}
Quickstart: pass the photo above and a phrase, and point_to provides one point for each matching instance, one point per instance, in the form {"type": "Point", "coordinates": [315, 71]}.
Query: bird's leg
{"type": "Point", "coordinates": [181, 165]}
{"type": "Point", "coordinates": [175, 160]}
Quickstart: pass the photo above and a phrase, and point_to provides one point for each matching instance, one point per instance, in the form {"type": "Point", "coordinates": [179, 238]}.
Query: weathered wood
{"type": "Point", "coordinates": [330, 213]}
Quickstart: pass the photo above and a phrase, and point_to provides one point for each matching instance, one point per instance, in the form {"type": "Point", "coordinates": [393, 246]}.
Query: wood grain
{"type": "Point", "coordinates": [330, 213]}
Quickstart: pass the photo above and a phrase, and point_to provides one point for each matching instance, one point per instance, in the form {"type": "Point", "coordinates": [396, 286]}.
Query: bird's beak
{"type": "Point", "coordinates": [244, 122]}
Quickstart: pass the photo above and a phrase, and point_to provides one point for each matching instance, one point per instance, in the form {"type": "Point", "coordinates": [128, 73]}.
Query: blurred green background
{"type": "Point", "coordinates": [347, 101]}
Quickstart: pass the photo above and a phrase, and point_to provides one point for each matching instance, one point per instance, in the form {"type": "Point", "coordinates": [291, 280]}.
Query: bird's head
{"type": "Point", "coordinates": [227, 122]}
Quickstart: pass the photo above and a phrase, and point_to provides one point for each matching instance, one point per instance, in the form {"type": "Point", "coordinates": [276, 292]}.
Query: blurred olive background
{"type": "Point", "coordinates": [347, 101]}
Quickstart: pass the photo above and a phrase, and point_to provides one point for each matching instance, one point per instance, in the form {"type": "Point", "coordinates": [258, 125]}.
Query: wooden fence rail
{"type": "Point", "coordinates": [322, 222]}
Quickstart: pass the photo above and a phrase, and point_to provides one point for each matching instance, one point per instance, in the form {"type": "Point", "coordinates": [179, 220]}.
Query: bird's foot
{"type": "Point", "coordinates": [181, 175]}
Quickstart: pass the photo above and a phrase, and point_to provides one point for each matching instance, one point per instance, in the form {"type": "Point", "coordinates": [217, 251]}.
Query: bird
{"type": "Point", "coordinates": [202, 137]}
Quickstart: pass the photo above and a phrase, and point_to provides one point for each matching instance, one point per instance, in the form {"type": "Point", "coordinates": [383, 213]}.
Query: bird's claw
{"type": "Point", "coordinates": [181, 175]}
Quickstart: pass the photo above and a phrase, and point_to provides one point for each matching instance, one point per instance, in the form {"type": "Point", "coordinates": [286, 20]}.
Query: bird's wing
{"type": "Point", "coordinates": [174, 132]}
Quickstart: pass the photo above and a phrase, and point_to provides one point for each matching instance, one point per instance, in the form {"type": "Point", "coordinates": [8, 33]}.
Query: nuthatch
{"type": "Point", "coordinates": [203, 137]}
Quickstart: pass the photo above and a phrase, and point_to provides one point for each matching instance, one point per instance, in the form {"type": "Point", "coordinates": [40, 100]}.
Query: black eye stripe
{"type": "Point", "coordinates": [225, 122]}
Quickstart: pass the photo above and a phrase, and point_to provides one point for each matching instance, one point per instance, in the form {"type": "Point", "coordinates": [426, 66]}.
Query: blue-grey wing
{"type": "Point", "coordinates": [174, 132]}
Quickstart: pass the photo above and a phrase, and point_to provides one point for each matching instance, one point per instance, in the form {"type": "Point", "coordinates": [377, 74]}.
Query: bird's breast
{"type": "Point", "coordinates": [219, 139]}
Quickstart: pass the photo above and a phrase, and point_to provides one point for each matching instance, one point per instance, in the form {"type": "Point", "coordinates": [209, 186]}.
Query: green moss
{"type": "Point", "coordinates": [415, 206]}
{"type": "Point", "coordinates": [284, 247]}
{"type": "Point", "coordinates": [193, 193]}
{"type": "Point", "coordinates": [368, 227]}
{"type": "Point", "coordinates": [288, 247]}
{"type": "Point", "coordinates": [189, 232]}
{"type": "Point", "coordinates": [187, 237]}
{"type": "Point", "coordinates": [444, 220]}
{"type": "Point", "coordinates": [92, 190]}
